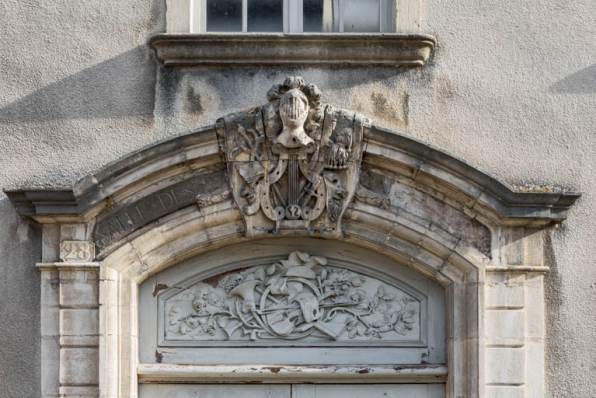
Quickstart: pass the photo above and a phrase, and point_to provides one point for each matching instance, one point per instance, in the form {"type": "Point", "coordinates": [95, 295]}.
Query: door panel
{"type": "Point", "coordinates": [368, 391]}
{"type": "Point", "coordinates": [214, 391]}
{"type": "Point", "coordinates": [293, 391]}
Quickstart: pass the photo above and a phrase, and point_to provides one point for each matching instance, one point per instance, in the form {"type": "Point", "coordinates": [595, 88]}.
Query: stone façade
{"type": "Point", "coordinates": [418, 206]}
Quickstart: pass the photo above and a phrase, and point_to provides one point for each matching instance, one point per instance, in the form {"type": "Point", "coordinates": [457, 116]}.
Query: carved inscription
{"type": "Point", "coordinates": [118, 224]}
{"type": "Point", "coordinates": [299, 299]}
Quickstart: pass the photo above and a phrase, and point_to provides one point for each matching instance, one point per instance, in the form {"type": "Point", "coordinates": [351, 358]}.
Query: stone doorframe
{"type": "Point", "coordinates": [417, 205]}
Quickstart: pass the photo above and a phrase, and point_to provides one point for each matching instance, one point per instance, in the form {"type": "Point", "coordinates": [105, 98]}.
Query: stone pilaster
{"type": "Point", "coordinates": [70, 330]}
{"type": "Point", "coordinates": [514, 318]}
{"type": "Point", "coordinates": [79, 329]}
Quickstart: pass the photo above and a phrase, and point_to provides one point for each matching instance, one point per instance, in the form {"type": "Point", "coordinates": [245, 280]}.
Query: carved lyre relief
{"type": "Point", "coordinates": [297, 299]}
{"type": "Point", "coordinates": [294, 163]}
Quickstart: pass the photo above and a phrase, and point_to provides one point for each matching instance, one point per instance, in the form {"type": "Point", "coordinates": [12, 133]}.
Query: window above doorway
{"type": "Point", "coordinates": [294, 16]}
{"type": "Point", "coordinates": [293, 33]}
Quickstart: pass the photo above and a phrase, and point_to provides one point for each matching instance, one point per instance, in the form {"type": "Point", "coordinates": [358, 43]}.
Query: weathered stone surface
{"type": "Point", "coordinates": [505, 327]}
{"type": "Point", "coordinates": [115, 225]}
{"type": "Point", "coordinates": [293, 49]}
{"type": "Point", "coordinates": [79, 366]}
{"type": "Point", "coordinates": [388, 191]}
{"type": "Point", "coordinates": [77, 112]}
{"type": "Point", "coordinates": [505, 392]}
{"type": "Point", "coordinates": [505, 366]}
{"type": "Point", "coordinates": [299, 300]}
{"type": "Point", "coordinates": [294, 163]}
{"type": "Point", "coordinates": [505, 291]}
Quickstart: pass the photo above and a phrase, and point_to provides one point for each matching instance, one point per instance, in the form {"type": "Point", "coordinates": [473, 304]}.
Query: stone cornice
{"type": "Point", "coordinates": [298, 49]}
{"type": "Point", "coordinates": [385, 149]}
{"type": "Point", "coordinates": [488, 192]}
{"type": "Point", "coordinates": [68, 266]}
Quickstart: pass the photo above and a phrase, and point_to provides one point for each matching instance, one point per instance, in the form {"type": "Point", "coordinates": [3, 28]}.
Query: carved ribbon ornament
{"type": "Point", "coordinates": [293, 164]}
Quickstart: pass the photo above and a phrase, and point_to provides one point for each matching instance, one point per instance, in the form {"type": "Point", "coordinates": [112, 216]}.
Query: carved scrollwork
{"type": "Point", "coordinates": [298, 298]}
{"type": "Point", "coordinates": [294, 163]}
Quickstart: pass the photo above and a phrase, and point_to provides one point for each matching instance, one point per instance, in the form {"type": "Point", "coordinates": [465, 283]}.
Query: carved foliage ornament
{"type": "Point", "coordinates": [294, 163]}
{"type": "Point", "coordinates": [297, 299]}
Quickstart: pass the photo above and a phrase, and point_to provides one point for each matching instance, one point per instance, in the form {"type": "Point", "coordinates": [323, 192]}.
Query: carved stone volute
{"type": "Point", "coordinates": [294, 163]}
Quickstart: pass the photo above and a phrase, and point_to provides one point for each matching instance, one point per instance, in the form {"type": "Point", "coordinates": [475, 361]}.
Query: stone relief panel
{"type": "Point", "coordinates": [294, 163]}
{"type": "Point", "coordinates": [300, 300]}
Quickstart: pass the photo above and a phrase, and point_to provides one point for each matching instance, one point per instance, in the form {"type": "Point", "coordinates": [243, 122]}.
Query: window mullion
{"type": "Point", "coordinates": [383, 16]}
{"type": "Point", "coordinates": [245, 15]}
{"type": "Point", "coordinates": [293, 16]}
{"type": "Point", "coordinates": [286, 16]}
{"type": "Point", "coordinates": [340, 13]}
{"type": "Point", "coordinates": [203, 16]}
{"type": "Point", "coordinates": [198, 16]}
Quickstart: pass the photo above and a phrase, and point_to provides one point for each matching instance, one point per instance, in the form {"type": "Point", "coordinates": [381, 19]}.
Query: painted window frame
{"type": "Point", "coordinates": [293, 21]}
{"type": "Point", "coordinates": [190, 16]}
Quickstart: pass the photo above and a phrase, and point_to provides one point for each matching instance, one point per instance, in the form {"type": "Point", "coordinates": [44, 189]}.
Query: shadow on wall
{"type": "Point", "coordinates": [20, 246]}
{"type": "Point", "coordinates": [120, 87]}
{"type": "Point", "coordinates": [581, 82]}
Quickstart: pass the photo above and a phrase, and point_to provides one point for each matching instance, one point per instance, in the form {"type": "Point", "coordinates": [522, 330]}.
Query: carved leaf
{"type": "Point", "coordinates": [378, 324]}
{"type": "Point", "coordinates": [323, 274]}
{"type": "Point", "coordinates": [357, 281]}
{"type": "Point", "coordinates": [271, 269]}
{"type": "Point", "coordinates": [409, 316]}
{"type": "Point", "coordinates": [393, 318]}
{"type": "Point", "coordinates": [222, 321]}
{"type": "Point", "coordinates": [400, 328]}
{"type": "Point", "coordinates": [361, 329]}
{"type": "Point", "coordinates": [260, 273]}
{"type": "Point", "coordinates": [303, 256]}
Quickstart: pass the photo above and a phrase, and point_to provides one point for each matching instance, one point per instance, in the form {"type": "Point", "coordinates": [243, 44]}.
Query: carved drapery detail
{"type": "Point", "coordinates": [294, 163]}
{"type": "Point", "coordinates": [300, 298]}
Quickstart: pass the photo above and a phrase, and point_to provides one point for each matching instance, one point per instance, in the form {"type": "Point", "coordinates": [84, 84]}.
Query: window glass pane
{"type": "Point", "coordinates": [313, 15]}
{"type": "Point", "coordinates": [361, 15]}
{"type": "Point", "coordinates": [265, 16]}
{"type": "Point", "coordinates": [224, 15]}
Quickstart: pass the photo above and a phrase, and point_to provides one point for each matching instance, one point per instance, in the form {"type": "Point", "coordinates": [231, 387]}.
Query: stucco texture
{"type": "Point", "coordinates": [77, 86]}
{"type": "Point", "coordinates": [511, 89]}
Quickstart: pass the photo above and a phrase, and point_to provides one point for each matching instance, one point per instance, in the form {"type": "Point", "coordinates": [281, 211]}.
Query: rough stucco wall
{"type": "Point", "coordinates": [511, 89]}
{"type": "Point", "coordinates": [77, 91]}
{"type": "Point", "coordinates": [516, 82]}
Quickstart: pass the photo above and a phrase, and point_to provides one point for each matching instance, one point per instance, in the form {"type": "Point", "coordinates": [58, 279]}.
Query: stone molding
{"type": "Point", "coordinates": [294, 49]}
{"type": "Point", "coordinates": [398, 152]}
{"type": "Point", "coordinates": [293, 374]}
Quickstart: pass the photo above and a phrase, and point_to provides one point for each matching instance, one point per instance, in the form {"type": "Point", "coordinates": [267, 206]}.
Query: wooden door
{"type": "Point", "coordinates": [292, 391]}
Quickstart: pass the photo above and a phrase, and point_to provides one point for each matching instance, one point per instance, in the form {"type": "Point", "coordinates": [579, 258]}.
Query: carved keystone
{"type": "Point", "coordinates": [294, 163]}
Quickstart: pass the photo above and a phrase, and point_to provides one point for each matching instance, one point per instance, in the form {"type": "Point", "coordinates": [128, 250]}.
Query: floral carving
{"type": "Point", "coordinates": [298, 298]}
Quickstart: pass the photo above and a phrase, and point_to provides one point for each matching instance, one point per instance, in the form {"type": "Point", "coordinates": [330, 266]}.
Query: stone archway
{"type": "Point", "coordinates": [418, 206]}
